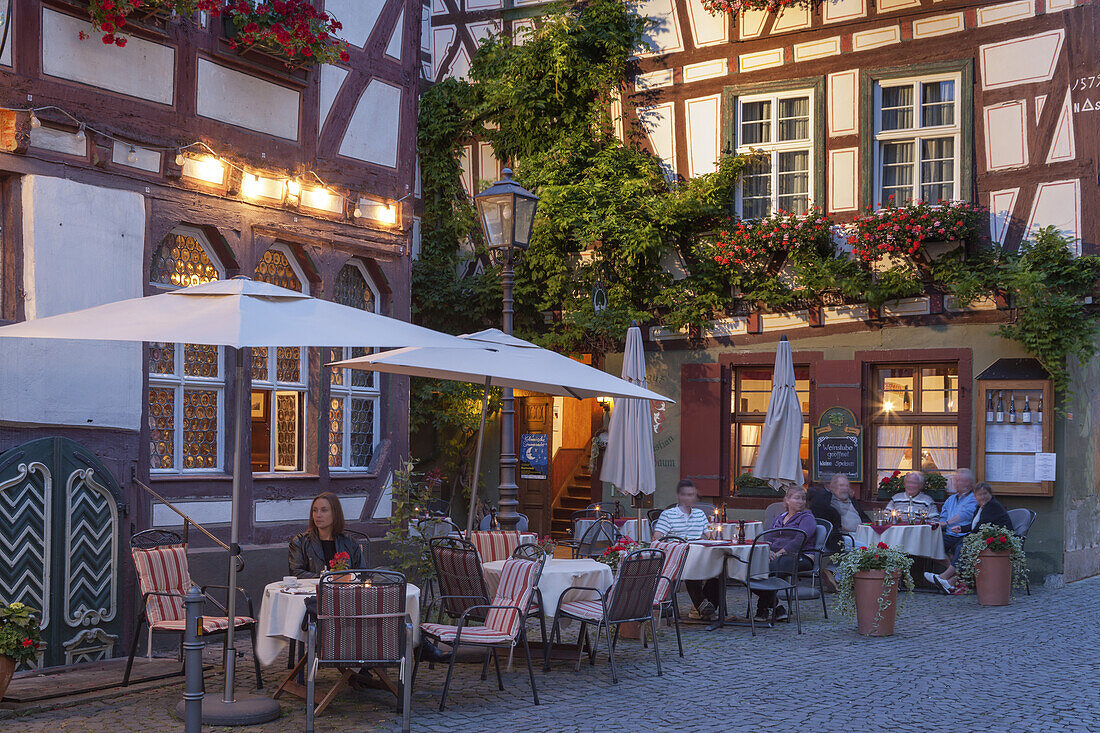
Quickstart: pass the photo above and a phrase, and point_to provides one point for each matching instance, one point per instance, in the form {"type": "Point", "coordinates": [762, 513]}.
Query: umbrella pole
{"type": "Point", "coordinates": [477, 460]}
{"type": "Point", "coordinates": [234, 530]}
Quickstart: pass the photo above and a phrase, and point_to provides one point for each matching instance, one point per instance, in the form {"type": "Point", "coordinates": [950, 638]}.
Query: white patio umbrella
{"type": "Point", "coordinates": [501, 361]}
{"type": "Point", "coordinates": [778, 461]}
{"type": "Point", "coordinates": [628, 462]}
{"type": "Point", "coordinates": [241, 313]}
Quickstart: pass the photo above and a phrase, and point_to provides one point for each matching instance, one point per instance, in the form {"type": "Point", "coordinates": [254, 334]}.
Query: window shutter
{"type": "Point", "coordinates": [700, 426]}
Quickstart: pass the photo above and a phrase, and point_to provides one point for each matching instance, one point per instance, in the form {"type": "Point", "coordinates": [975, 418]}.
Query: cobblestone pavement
{"type": "Point", "coordinates": [952, 666]}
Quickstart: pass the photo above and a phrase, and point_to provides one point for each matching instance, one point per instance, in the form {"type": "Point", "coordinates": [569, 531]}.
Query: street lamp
{"type": "Point", "coordinates": [507, 212]}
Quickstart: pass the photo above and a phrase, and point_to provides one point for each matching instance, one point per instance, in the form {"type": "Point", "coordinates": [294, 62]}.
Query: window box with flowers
{"type": "Point", "coordinates": [916, 235]}
{"type": "Point", "coordinates": [113, 17]}
{"type": "Point", "coordinates": [293, 31]}
{"type": "Point", "coordinates": [733, 7]}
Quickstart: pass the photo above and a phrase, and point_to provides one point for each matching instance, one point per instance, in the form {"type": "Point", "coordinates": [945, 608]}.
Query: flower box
{"type": "Point", "coordinates": [294, 33]}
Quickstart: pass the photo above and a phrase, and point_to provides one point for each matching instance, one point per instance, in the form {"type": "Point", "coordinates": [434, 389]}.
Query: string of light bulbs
{"type": "Point", "coordinates": [132, 153]}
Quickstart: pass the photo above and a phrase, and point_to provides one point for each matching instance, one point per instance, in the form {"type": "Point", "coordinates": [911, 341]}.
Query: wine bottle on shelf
{"type": "Point", "coordinates": [1012, 407]}
{"type": "Point", "coordinates": [906, 401]}
{"type": "Point", "coordinates": [1039, 413]}
{"type": "Point", "coordinates": [1000, 408]}
{"type": "Point", "coordinates": [989, 407]}
{"type": "Point", "coordinates": [1026, 417]}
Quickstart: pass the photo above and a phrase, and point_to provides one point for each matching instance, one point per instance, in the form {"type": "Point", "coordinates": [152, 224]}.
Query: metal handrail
{"type": "Point", "coordinates": [188, 521]}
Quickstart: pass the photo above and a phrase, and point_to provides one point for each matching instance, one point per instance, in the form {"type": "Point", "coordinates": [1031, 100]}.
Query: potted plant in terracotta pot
{"type": "Point", "coordinates": [867, 586]}
{"type": "Point", "coordinates": [20, 637]}
{"type": "Point", "coordinates": [992, 561]}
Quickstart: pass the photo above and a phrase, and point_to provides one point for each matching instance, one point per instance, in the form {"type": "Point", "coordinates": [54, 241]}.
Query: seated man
{"type": "Point", "coordinates": [688, 523]}
{"type": "Point", "coordinates": [911, 502]}
{"type": "Point", "coordinates": [838, 506]}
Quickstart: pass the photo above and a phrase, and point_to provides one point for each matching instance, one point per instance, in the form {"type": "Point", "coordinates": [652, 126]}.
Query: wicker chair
{"type": "Point", "coordinates": [361, 620]}
{"type": "Point", "coordinates": [504, 623]}
{"type": "Point", "coordinates": [629, 599]}
{"type": "Point", "coordinates": [160, 559]}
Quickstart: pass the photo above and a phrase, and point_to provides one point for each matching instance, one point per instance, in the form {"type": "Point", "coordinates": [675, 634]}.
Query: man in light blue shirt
{"type": "Point", "coordinates": [957, 513]}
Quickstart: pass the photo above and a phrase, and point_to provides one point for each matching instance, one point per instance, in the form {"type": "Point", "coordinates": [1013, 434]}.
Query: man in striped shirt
{"type": "Point", "coordinates": [687, 522]}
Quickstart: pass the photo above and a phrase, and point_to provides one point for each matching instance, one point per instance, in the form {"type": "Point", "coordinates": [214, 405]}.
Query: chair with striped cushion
{"type": "Point", "coordinates": [460, 577]}
{"type": "Point", "coordinates": [668, 585]}
{"type": "Point", "coordinates": [361, 621]}
{"type": "Point", "coordinates": [630, 598]}
{"type": "Point", "coordinates": [495, 545]}
{"type": "Point", "coordinates": [160, 559]}
{"type": "Point", "coordinates": [504, 623]}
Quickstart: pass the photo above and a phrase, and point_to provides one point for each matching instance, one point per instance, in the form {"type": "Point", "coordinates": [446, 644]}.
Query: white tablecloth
{"type": "Point", "coordinates": [557, 575]}
{"type": "Point", "coordinates": [281, 617]}
{"type": "Point", "coordinates": [915, 539]}
{"type": "Point", "coordinates": [705, 560]}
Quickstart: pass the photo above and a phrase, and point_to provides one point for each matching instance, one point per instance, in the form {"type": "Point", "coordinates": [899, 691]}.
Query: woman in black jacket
{"type": "Point", "coordinates": [312, 551]}
{"type": "Point", "coordinates": [990, 511]}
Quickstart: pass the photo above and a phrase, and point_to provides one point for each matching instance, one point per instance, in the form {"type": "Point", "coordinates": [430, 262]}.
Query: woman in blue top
{"type": "Point", "coordinates": [785, 548]}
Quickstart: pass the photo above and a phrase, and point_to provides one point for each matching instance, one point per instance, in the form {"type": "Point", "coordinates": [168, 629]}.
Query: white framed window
{"type": "Point", "coordinates": [280, 380]}
{"type": "Point", "coordinates": [354, 413]}
{"type": "Point", "coordinates": [779, 127]}
{"type": "Point", "coordinates": [185, 401]}
{"type": "Point", "coordinates": [917, 139]}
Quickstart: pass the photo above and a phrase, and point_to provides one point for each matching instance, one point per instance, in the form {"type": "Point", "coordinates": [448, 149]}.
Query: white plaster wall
{"type": "Point", "coordinates": [358, 17]}
{"type": "Point", "coordinates": [248, 101]}
{"type": "Point", "coordinates": [140, 69]}
{"type": "Point", "coordinates": [372, 131]}
{"type": "Point", "coordinates": [332, 78]}
{"type": "Point", "coordinates": [82, 246]}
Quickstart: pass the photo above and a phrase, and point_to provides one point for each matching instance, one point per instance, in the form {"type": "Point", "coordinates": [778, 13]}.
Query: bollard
{"type": "Point", "coordinates": [192, 661]}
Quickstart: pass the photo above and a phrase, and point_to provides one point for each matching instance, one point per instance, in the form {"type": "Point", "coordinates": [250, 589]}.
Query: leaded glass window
{"type": "Point", "coordinates": [917, 140]}
{"type": "Point", "coordinates": [184, 404]}
{"type": "Point", "coordinates": [777, 129]}
{"type": "Point", "coordinates": [280, 379]}
{"type": "Point", "coordinates": [353, 393]}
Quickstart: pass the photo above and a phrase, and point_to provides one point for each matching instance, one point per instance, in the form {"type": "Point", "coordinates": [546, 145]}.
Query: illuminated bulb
{"type": "Point", "coordinates": [35, 122]}
{"type": "Point", "coordinates": [80, 135]}
{"type": "Point", "coordinates": [131, 157]}
{"type": "Point", "coordinates": [250, 185]}
{"type": "Point", "coordinates": [180, 159]}
{"type": "Point", "coordinates": [357, 213]}
{"type": "Point", "coordinates": [293, 188]}
{"type": "Point", "coordinates": [388, 214]}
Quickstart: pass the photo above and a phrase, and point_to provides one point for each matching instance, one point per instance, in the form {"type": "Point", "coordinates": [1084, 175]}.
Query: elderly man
{"type": "Point", "coordinates": [913, 500]}
{"type": "Point", "coordinates": [957, 514]}
{"type": "Point", "coordinates": [838, 506]}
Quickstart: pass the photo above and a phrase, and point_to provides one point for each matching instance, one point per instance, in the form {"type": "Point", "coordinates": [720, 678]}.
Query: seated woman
{"type": "Point", "coordinates": [311, 552]}
{"type": "Point", "coordinates": [785, 549]}
{"type": "Point", "coordinates": [911, 502]}
{"type": "Point", "coordinates": [990, 511]}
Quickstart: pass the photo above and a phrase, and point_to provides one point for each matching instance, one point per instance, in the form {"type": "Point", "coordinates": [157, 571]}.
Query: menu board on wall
{"type": "Point", "coordinates": [837, 445]}
{"type": "Point", "coordinates": [1015, 435]}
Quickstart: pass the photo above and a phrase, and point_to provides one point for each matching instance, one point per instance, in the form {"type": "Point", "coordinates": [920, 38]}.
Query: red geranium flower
{"type": "Point", "coordinates": [27, 643]}
{"type": "Point", "coordinates": [883, 546]}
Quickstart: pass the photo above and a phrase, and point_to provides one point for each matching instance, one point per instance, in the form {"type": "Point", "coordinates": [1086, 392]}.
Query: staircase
{"type": "Point", "coordinates": [576, 495]}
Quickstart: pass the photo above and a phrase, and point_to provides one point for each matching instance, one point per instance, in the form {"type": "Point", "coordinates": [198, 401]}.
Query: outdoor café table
{"type": "Point", "coordinates": [922, 540]}
{"type": "Point", "coordinates": [557, 576]}
{"type": "Point", "coordinates": [715, 559]}
{"type": "Point", "coordinates": [626, 527]}
{"type": "Point", "coordinates": [281, 616]}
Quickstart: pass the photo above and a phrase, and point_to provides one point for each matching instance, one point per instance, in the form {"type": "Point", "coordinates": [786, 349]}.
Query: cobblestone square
{"type": "Point", "coordinates": [952, 666]}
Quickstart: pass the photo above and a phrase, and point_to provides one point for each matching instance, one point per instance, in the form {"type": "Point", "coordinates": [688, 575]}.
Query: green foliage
{"type": "Point", "coordinates": [20, 633]}
{"type": "Point", "coordinates": [880, 557]}
{"type": "Point", "coordinates": [451, 413]}
{"type": "Point", "coordinates": [935, 485]}
{"type": "Point", "coordinates": [996, 539]}
{"type": "Point", "coordinates": [749, 485]}
{"type": "Point", "coordinates": [408, 551]}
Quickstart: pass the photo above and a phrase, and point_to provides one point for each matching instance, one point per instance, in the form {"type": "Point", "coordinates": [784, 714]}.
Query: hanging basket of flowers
{"type": "Point", "coordinates": [112, 17]}
{"type": "Point", "coordinates": [292, 31]}
{"type": "Point", "coordinates": [733, 7]}
{"type": "Point", "coordinates": [917, 233]}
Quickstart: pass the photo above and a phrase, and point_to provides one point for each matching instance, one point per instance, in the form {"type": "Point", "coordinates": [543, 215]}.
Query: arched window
{"type": "Point", "coordinates": [185, 400]}
{"type": "Point", "coordinates": [280, 380]}
{"type": "Point", "coordinates": [354, 396]}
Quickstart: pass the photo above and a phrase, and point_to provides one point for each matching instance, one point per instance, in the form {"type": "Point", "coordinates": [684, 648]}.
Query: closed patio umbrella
{"type": "Point", "coordinates": [628, 462]}
{"type": "Point", "coordinates": [241, 313]}
{"type": "Point", "coordinates": [779, 460]}
{"type": "Point", "coordinates": [503, 361]}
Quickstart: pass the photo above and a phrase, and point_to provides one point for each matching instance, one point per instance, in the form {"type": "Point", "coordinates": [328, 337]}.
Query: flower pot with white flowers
{"type": "Point", "coordinates": [867, 587]}
{"type": "Point", "coordinates": [992, 562]}
{"type": "Point", "coordinates": [20, 639]}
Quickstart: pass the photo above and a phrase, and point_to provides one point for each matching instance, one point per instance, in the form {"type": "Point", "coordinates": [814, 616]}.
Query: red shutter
{"type": "Point", "coordinates": [700, 426]}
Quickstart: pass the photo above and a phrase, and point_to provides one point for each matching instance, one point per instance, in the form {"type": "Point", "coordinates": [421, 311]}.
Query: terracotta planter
{"type": "Point", "coordinates": [7, 669]}
{"type": "Point", "coordinates": [631, 630]}
{"type": "Point", "coordinates": [868, 590]}
{"type": "Point", "coordinates": [994, 578]}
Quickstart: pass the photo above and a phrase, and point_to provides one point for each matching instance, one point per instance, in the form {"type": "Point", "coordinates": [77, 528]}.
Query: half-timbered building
{"type": "Point", "coordinates": [174, 159]}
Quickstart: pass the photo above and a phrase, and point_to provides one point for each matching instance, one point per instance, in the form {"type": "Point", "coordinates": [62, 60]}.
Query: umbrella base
{"type": "Point", "coordinates": [242, 711]}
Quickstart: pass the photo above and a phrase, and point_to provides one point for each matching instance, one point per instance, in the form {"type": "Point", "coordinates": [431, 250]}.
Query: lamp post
{"type": "Point", "coordinates": [507, 213]}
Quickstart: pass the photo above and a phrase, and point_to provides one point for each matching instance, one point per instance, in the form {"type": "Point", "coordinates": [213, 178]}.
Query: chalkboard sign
{"type": "Point", "coordinates": [837, 445]}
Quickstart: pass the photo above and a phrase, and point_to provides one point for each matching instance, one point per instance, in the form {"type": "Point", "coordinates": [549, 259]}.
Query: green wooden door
{"type": "Point", "coordinates": [60, 547]}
